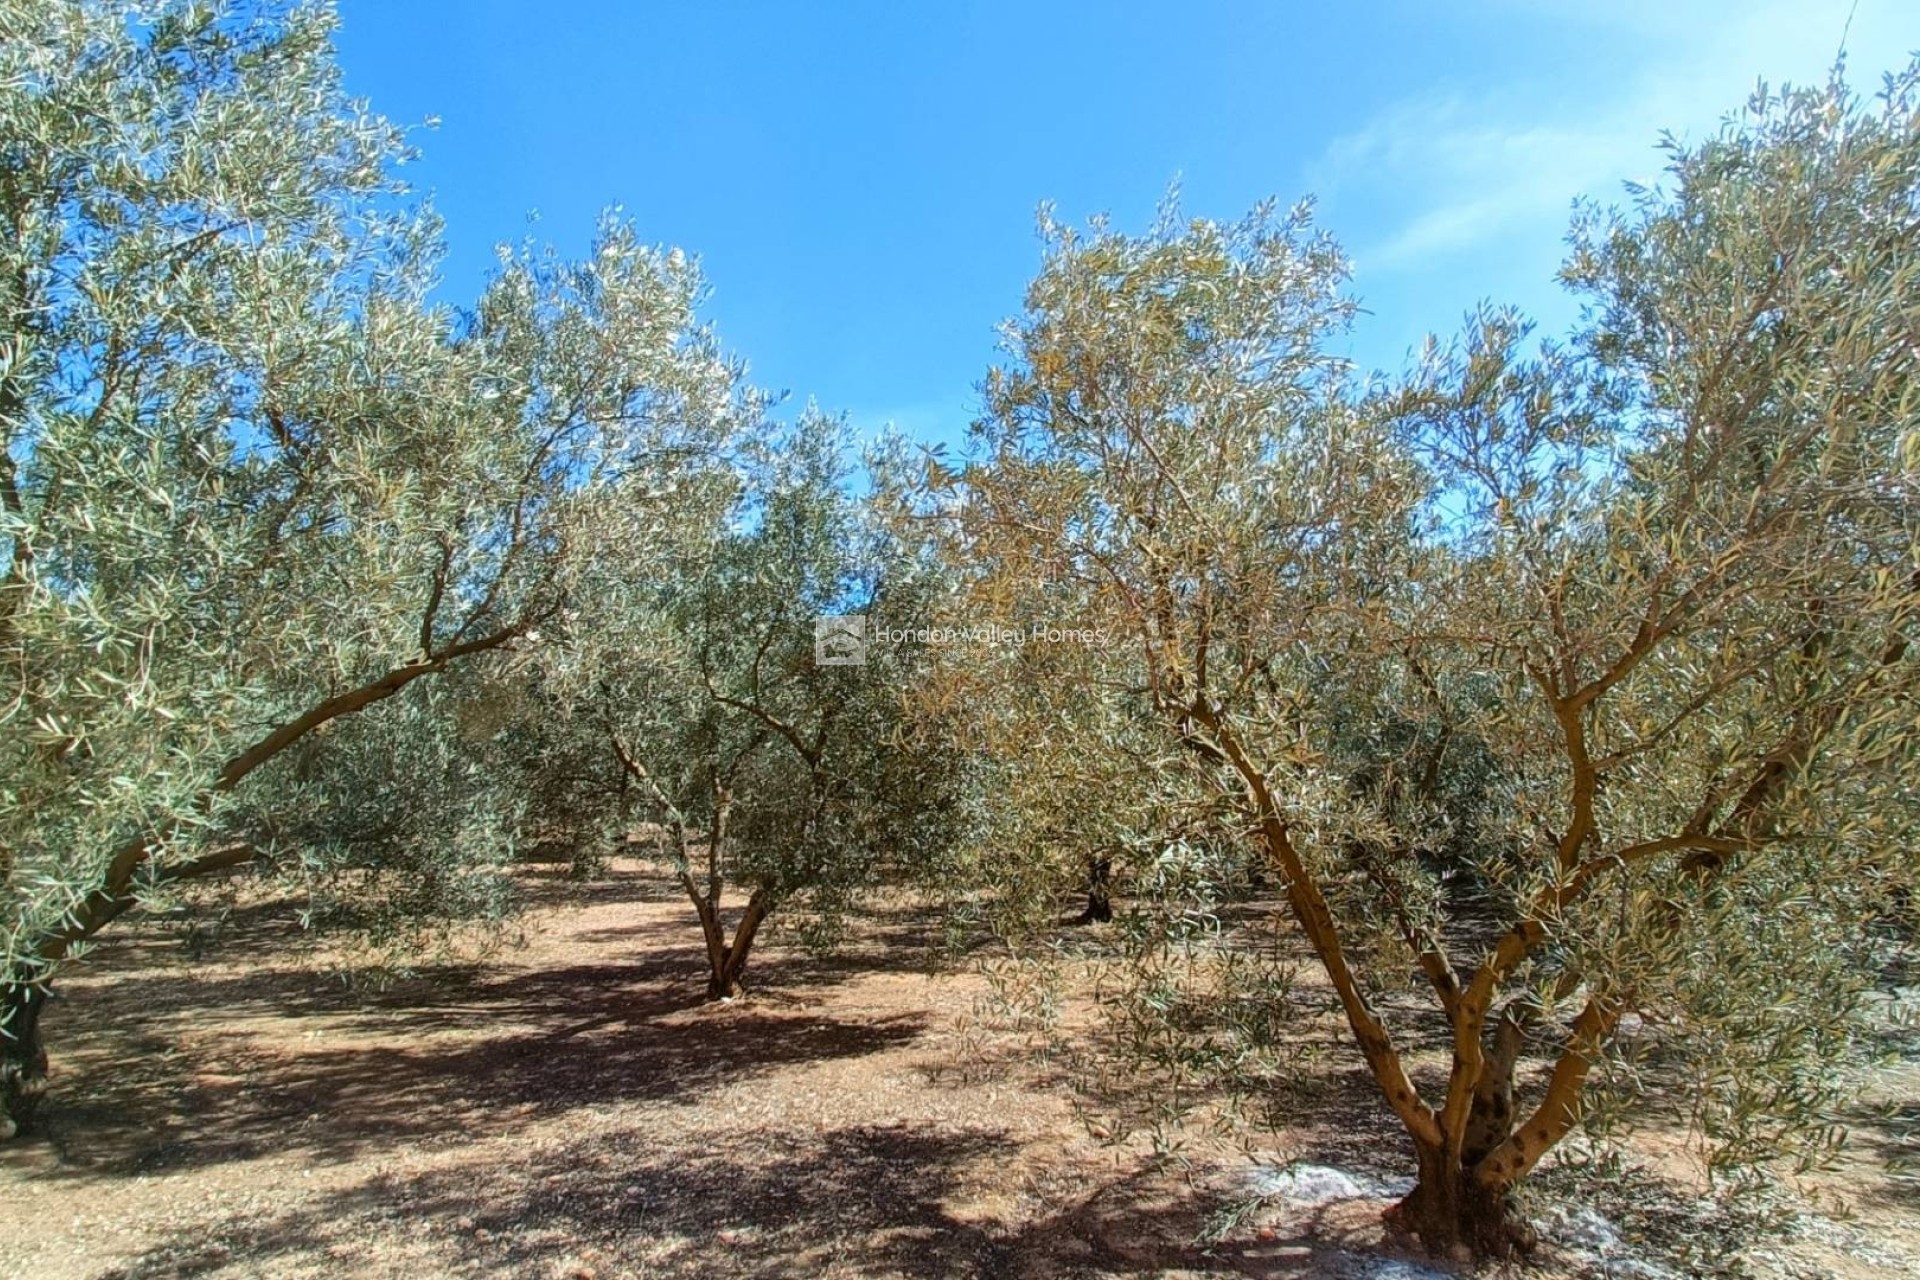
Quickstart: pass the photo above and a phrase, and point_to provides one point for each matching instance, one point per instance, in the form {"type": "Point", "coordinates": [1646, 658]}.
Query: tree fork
{"type": "Point", "coordinates": [1456, 1214]}
{"type": "Point", "coordinates": [730, 971]}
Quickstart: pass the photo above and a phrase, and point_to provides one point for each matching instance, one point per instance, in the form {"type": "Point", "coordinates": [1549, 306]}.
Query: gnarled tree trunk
{"type": "Point", "coordinates": [1455, 1207]}
{"type": "Point", "coordinates": [727, 960]}
{"type": "Point", "coordinates": [1458, 1212]}
{"type": "Point", "coordinates": [1463, 1204]}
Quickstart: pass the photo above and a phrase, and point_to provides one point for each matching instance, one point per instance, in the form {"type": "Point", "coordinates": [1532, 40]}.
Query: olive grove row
{"type": "Point", "coordinates": [1570, 684]}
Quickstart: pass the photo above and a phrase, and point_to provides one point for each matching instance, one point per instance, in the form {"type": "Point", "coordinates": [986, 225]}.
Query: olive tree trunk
{"type": "Point", "coordinates": [1456, 1213]}
{"type": "Point", "coordinates": [1099, 893]}
{"type": "Point", "coordinates": [1472, 1150]}
{"type": "Point", "coordinates": [727, 961]}
{"type": "Point", "coordinates": [23, 1055]}
{"type": "Point", "coordinates": [1455, 1207]}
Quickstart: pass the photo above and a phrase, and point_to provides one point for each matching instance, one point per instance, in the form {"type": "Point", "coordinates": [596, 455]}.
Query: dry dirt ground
{"type": "Point", "coordinates": [570, 1108]}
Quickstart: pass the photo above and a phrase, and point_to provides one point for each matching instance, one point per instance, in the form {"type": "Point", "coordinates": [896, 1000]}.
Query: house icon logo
{"type": "Point", "coordinates": [840, 640]}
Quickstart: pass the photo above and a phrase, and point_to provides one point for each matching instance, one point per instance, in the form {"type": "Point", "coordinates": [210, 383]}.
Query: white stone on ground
{"type": "Point", "coordinates": [1588, 1236]}
{"type": "Point", "coordinates": [1313, 1184]}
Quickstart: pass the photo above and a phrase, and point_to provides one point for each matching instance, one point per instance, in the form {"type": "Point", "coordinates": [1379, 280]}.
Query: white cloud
{"type": "Point", "coordinates": [1455, 172]}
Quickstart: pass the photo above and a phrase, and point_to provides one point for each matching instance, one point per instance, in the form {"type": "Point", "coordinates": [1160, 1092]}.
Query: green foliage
{"type": "Point", "coordinates": [397, 822]}
{"type": "Point", "coordinates": [1571, 681]}
{"type": "Point", "coordinates": [1572, 685]}
{"type": "Point", "coordinates": [253, 481]}
{"type": "Point", "coordinates": [692, 698]}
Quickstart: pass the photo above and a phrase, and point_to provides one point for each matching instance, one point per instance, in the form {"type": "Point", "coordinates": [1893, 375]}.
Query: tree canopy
{"type": "Point", "coordinates": [1576, 678]}
{"type": "Point", "coordinates": [1568, 683]}
{"type": "Point", "coordinates": [254, 479]}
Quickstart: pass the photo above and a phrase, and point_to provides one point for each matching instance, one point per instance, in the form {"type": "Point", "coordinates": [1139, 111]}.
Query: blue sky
{"type": "Point", "coordinates": [860, 179]}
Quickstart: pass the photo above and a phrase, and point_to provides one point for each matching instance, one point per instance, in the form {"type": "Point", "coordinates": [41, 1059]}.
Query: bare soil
{"type": "Point", "coordinates": [571, 1107]}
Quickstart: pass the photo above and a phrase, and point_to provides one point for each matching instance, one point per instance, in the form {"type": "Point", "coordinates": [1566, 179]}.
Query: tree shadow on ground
{"type": "Point", "coordinates": [864, 1201]}
{"type": "Point", "coordinates": [1344, 1121]}
{"type": "Point", "coordinates": [621, 881]}
{"type": "Point", "coordinates": [886, 938]}
{"type": "Point", "coordinates": [158, 1060]}
{"type": "Point", "coordinates": [465, 1068]}
{"type": "Point", "coordinates": [433, 1063]}
{"type": "Point", "coordinates": [1891, 1132]}
{"type": "Point", "coordinates": [857, 1201]}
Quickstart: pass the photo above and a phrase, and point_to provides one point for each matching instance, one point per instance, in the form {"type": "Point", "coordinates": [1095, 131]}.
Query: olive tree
{"type": "Point", "coordinates": [252, 480]}
{"type": "Point", "coordinates": [1023, 691]}
{"type": "Point", "coordinates": [1573, 684]}
{"type": "Point", "coordinates": [1679, 592]}
{"type": "Point", "coordinates": [758, 764]}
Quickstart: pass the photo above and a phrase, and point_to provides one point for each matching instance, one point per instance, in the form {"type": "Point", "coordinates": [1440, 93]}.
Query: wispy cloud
{"type": "Point", "coordinates": [1463, 170]}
